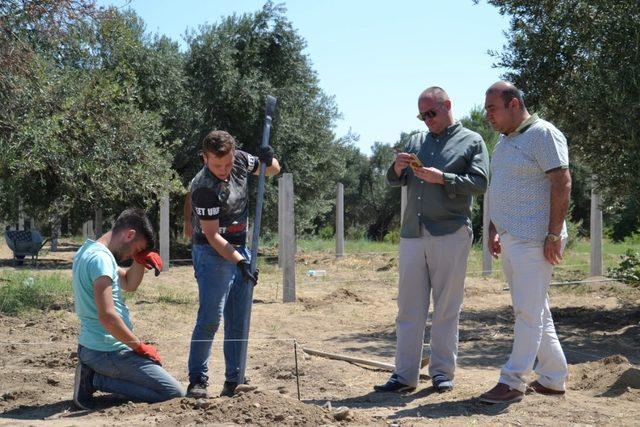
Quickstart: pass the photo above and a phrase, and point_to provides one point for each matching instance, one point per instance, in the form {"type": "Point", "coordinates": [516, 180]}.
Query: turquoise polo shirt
{"type": "Point", "coordinates": [92, 261]}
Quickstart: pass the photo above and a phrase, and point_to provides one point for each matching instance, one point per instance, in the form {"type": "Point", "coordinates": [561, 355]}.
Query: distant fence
{"type": "Point", "coordinates": [287, 237]}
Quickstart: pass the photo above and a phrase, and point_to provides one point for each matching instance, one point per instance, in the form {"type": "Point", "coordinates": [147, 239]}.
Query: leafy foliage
{"type": "Point", "coordinates": [230, 67]}
{"type": "Point", "coordinates": [578, 62]}
{"type": "Point", "coordinates": [95, 112]}
{"type": "Point", "coordinates": [628, 271]}
{"type": "Point", "coordinates": [74, 135]}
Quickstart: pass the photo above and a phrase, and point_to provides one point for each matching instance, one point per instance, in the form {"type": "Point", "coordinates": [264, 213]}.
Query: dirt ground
{"type": "Point", "coordinates": [350, 311]}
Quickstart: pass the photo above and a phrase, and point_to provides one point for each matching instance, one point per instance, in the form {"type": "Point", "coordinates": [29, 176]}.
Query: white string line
{"type": "Point", "coordinates": [158, 341]}
{"type": "Point", "coordinates": [327, 253]}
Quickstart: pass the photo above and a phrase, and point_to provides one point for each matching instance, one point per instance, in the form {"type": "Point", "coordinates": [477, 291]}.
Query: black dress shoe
{"type": "Point", "coordinates": [442, 383]}
{"type": "Point", "coordinates": [393, 386]}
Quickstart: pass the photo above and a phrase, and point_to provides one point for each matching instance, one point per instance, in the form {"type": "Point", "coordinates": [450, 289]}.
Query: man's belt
{"type": "Point", "coordinates": [234, 233]}
{"type": "Point", "coordinates": [233, 228]}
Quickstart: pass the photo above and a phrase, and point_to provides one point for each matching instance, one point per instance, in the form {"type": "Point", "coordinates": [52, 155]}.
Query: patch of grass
{"type": "Point", "coordinates": [474, 264]}
{"type": "Point", "coordinates": [175, 298]}
{"type": "Point", "coordinates": [27, 290]}
{"type": "Point", "coordinates": [310, 244]}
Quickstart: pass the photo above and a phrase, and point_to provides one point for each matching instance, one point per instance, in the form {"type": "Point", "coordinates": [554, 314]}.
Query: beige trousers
{"type": "Point", "coordinates": [430, 266]}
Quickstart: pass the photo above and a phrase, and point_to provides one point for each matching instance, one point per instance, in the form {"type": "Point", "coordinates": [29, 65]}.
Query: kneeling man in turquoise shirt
{"type": "Point", "coordinates": [111, 358]}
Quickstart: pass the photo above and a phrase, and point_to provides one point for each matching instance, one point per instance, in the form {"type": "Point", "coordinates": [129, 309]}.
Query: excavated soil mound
{"type": "Point", "coordinates": [341, 295]}
{"type": "Point", "coordinates": [609, 377]}
{"type": "Point", "coordinates": [253, 407]}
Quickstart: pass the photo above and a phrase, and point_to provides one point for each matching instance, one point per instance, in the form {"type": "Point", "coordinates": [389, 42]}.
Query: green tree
{"type": "Point", "coordinates": [73, 134]}
{"type": "Point", "coordinates": [578, 62]}
{"type": "Point", "coordinates": [230, 67]}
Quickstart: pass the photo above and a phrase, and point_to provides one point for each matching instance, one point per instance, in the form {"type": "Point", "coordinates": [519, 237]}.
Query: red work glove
{"type": "Point", "coordinates": [149, 260]}
{"type": "Point", "coordinates": [149, 351]}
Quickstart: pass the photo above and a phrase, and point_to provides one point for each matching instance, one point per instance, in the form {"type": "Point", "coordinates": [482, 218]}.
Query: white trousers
{"type": "Point", "coordinates": [529, 275]}
{"type": "Point", "coordinates": [430, 265]}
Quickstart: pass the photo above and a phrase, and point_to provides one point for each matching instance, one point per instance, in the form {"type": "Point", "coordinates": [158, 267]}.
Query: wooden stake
{"type": "Point", "coordinates": [359, 361]}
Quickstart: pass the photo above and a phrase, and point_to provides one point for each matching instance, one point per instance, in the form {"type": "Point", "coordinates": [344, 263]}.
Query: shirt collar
{"type": "Point", "coordinates": [525, 125]}
{"type": "Point", "coordinates": [450, 130]}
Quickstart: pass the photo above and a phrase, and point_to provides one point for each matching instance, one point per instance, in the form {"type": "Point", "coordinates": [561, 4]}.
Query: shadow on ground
{"type": "Point", "coordinates": [586, 334]}
{"type": "Point", "coordinates": [62, 409]}
{"type": "Point", "coordinates": [467, 407]}
{"type": "Point", "coordinates": [42, 264]}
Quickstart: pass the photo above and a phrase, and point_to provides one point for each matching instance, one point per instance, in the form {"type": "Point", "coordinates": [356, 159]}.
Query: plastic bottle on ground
{"type": "Point", "coordinates": [316, 273]}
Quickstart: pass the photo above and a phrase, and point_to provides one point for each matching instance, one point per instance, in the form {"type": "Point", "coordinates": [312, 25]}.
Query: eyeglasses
{"type": "Point", "coordinates": [427, 114]}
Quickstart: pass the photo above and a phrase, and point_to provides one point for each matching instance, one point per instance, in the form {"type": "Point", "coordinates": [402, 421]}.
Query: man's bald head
{"type": "Point", "coordinates": [507, 92]}
{"type": "Point", "coordinates": [436, 93]}
{"type": "Point", "coordinates": [434, 107]}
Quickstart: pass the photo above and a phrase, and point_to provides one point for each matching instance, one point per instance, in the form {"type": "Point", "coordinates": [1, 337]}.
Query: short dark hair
{"type": "Point", "coordinates": [509, 93]}
{"type": "Point", "coordinates": [219, 143]}
{"type": "Point", "coordinates": [136, 219]}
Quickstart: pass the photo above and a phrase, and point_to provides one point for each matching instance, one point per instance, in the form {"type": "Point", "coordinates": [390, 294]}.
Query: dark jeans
{"type": "Point", "coordinates": [127, 373]}
{"type": "Point", "coordinates": [223, 293]}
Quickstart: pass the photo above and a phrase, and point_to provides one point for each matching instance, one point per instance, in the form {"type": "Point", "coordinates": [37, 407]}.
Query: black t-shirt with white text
{"type": "Point", "coordinates": [224, 200]}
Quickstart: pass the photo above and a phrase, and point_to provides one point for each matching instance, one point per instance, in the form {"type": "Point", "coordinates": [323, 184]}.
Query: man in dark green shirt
{"type": "Point", "coordinates": [442, 170]}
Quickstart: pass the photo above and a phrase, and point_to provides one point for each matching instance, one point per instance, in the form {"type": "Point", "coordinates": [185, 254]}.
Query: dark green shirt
{"type": "Point", "coordinates": [462, 155]}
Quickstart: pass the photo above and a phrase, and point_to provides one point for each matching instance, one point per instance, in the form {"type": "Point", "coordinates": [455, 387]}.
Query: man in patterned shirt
{"type": "Point", "coordinates": [528, 201]}
{"type": "Point", "coordinates": [218, 199]}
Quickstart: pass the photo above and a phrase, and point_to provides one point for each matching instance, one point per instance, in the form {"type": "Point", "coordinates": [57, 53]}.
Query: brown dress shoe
{"type": "Point", "coordinates": [536, 387]}
{"type": "Point", "coordinates": [502, 393]}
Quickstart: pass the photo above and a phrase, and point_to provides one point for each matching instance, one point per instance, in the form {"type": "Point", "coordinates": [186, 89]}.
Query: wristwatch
{"type": "Point", "coordinates": [552, 237]}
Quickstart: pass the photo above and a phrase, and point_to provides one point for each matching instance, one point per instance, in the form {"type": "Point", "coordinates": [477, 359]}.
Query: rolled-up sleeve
{"type": "Point", "coordinates": [395, 180]}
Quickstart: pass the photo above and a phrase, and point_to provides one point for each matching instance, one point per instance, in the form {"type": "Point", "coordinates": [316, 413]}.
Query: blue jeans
{"type": "Point", "coordinates": [222, 292]}
{"type": "Point", "coordinates": [127, 373]}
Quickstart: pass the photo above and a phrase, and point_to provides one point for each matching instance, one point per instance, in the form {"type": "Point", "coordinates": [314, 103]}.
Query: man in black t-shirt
{"type": "Point", "coordinates": [218, 205]}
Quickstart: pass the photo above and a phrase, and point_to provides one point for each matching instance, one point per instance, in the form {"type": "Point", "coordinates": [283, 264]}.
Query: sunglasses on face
{"type": "Point", "coordinates": [429, 114]}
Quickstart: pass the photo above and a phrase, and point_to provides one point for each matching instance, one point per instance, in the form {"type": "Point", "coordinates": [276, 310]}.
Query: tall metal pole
{"type": "Point", "coordinates": [270, 108]}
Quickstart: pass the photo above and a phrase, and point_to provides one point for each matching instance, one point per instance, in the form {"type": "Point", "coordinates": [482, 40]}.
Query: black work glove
{"type": "Point", "coordinates": [265, 154]}
{"type": "Point", "coordinates": [245, 269]}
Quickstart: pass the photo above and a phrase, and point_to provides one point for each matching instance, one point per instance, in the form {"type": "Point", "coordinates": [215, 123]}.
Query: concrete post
{"type": "Point", "coordinates": [56, 226]}
{"type": "Point", "coordinates": [288, 240]}
{"type": "Point", "coordinates": [280, 220]}
{"type": "Point", "coordinates": [595, 232]}
{"type": "Point", "coordinates": [340, 221]}
{"type": "Point", "coordinates": [20, 216]}
{"type": "Point", "coordinates": [164, 232]}
{"type": "Point", "coordinates": [99, 221]}
{"type": "Point", "coordinates": [87, 230]}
